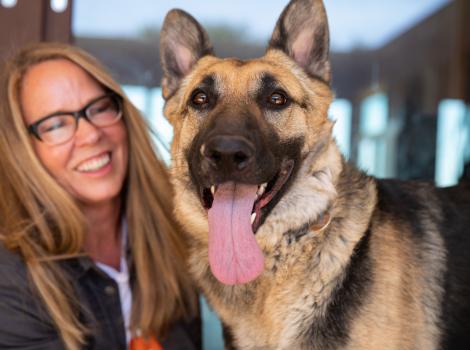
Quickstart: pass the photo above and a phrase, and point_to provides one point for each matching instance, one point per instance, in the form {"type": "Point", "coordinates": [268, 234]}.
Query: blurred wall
{"type": "Point", "coordinates": [28, 21]}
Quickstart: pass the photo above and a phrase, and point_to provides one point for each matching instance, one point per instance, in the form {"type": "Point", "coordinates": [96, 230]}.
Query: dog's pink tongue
{"type": "Point", "coordinates": [234, 255]}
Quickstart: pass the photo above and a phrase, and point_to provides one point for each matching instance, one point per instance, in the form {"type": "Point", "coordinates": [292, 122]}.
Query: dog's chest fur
{"type": "Point", "coordinates": [304, 296]}
{"type": "Point", "coordinates": [349, 287]}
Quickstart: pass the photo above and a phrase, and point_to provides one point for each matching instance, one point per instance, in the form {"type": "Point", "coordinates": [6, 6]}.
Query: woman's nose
{"type": "Point", "coordinates": [87, 133]}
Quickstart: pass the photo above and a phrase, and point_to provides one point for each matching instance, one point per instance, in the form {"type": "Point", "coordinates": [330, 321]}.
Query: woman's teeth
{"type": "Point", "coordinates": [95, 163]}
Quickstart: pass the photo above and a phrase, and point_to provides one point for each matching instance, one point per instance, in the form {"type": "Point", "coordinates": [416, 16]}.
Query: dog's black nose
{"type": "Point", "coordinates": [228, 153]}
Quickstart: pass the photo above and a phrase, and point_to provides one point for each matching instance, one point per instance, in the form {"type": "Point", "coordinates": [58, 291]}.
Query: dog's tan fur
{"type": "Point", "coordinates": [401, 293]}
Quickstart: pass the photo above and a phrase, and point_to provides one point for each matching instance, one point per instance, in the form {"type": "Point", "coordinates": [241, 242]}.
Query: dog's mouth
{"type": "Point", "coordinates": [266, 193]}
{"type": "Point", "coordinates": [235, 211]}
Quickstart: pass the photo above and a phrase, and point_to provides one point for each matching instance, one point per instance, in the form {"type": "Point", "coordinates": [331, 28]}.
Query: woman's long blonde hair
{"type": "Point", "coordinates": [42, 222]}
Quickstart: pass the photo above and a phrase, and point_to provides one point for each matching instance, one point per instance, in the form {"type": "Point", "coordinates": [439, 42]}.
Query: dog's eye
{"type": "Point", "coordinates": [277, 99]}
{"type": "Point", "coordinates": [200, 99]}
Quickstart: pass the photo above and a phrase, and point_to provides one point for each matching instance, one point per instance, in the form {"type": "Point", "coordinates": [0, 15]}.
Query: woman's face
{"type": "Point", "coordinates": [92, 165]}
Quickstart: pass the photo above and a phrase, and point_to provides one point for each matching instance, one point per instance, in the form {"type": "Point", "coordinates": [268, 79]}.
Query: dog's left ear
{"type": "Point", "coordinates": [302, 33]}
{"type": "Point", "coordinates": [183, 42]}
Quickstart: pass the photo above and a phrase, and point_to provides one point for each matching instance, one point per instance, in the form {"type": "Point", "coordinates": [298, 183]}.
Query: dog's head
{"type": "Point", "coordinates": [252, 155]}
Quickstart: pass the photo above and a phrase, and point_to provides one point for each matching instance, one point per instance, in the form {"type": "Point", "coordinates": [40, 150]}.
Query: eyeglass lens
{"type": "Point", "coordinates": [60, 128]}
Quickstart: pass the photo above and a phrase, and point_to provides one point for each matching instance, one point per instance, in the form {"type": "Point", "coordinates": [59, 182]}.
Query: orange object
{"type": "Point", "coordinates": [141, 343]}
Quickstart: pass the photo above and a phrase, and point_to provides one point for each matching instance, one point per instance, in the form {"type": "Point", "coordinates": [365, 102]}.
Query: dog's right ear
{"type": "Point", "coordinates": [302, 33]}
{"type": "Point", "coordinates": [182, 43]}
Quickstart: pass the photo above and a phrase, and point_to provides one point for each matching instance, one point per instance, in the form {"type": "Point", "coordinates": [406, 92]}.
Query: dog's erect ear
{"type": "Point", "coordinates": [302, 33]}
{"type": "Point", "coordinates": [182, 43]}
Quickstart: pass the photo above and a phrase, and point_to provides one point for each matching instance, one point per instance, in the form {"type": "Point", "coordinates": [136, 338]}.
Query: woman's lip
{"type": "Point", "coordinates": [99, 172]}
{"type": "Point", "coordinates": [98, 161]}
{"type": "Point", "coordinates": [96, 156]}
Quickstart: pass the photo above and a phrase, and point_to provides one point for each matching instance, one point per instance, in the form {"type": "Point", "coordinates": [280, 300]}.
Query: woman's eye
{"type": "Point", "coordinates": [200, 99]}
{"type": "Point", "coordinates": [277, 99]}
{"type": "Point", "coordinates": [52, 124]}
{"type": "Point", "coordinates": [101, 108]}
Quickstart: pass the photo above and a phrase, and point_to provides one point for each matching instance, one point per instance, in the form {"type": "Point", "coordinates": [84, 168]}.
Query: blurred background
{"type": "Point", "coordinates": [401, 71]}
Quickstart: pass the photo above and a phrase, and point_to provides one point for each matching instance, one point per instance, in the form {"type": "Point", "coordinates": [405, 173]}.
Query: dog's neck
{"type": "Point", "coordinates": [318, 214]}
{"type": "Point", "coordinates": [319, 250]}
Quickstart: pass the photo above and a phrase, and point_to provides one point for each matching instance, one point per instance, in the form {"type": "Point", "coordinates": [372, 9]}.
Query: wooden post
{"type": "Point", "coordinates": [32, 21]}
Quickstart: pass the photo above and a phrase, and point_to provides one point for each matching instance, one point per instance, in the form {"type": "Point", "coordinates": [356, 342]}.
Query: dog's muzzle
{"type": "Point", "coordinates": [228, 156]}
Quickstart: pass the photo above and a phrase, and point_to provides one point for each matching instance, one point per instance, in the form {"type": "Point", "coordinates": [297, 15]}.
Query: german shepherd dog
{"type": "Point", "coordinates": [294, 247]}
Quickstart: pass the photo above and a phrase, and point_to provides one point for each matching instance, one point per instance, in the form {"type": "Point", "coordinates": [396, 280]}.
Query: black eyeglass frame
{"type": "Point", "coordinates": [82, 113]}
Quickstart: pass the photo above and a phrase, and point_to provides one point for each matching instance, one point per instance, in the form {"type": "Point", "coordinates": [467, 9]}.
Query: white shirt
{"type": "Point", "coordinates": [122, 280]}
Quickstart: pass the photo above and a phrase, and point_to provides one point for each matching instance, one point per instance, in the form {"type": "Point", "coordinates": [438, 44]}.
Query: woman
{"type": "Point", "coordinates": [89, 253]}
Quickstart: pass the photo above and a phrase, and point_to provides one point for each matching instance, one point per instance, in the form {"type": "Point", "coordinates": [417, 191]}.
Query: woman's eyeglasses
{"type": "Point", "coordinates": [60, 127]}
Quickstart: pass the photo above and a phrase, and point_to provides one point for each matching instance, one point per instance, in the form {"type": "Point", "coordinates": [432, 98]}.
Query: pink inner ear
{"type": "Point", "coordinates": [302, 47]}
{"type": "Point", "coordinates": [184, 59]}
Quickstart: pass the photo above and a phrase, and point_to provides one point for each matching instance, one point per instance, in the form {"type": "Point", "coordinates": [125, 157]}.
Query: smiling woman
{"type": "Point", "coordinates": [88, 159]}
{"type": "Point", "coordinates": [89, 253]}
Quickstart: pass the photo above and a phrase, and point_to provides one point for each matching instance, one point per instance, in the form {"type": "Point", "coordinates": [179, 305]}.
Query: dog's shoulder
{"type": "Point", "coordinates": [398, 196]}
{"type": "Point", "coordinates": [455, 216]}
{"type": "Point", "coordinates": [422, 208]}
{"type": "Point", "coordinates": [455, 228]}
{"type": "Point", "coordinates": [411, 206]}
